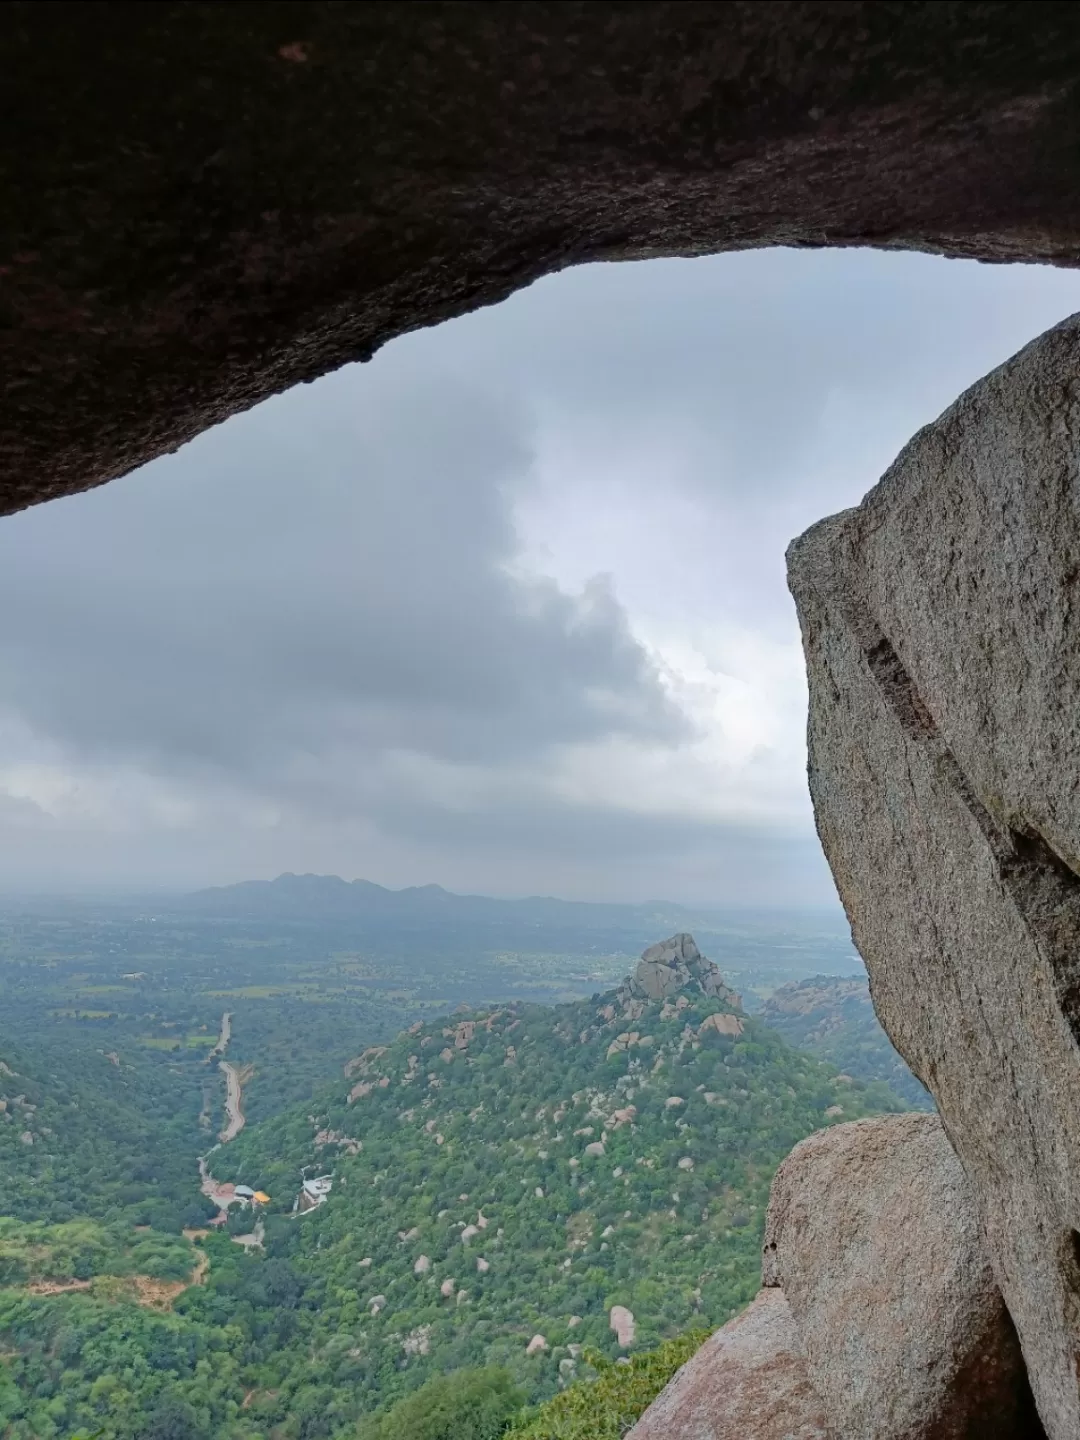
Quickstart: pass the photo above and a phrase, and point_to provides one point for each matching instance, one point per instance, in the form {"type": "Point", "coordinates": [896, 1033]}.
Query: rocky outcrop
{"type": "Point", "coordinates": [670, 968]}
{"type": "Point", "coordinates": [220, 201]}
{"type": "Point", "coordinates": [719, 1024]}
{"type": "Point", "coordinates": [939, 621]}
{"type": "Point", "coordinates": [873, 1235]}
{"type": "Point", "coordinates": [747, 1382]}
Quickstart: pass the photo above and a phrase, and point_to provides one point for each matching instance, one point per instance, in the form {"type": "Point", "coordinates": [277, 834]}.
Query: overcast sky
{"type": "Point", "coordinates": [503, 609]}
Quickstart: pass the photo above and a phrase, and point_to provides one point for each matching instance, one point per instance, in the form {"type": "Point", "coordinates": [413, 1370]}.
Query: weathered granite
{"type": "Point", "coordinates": [873, 1234]}
{"type": "Point", "coordinates": [747, 1382]}
{"type": "Point", "coordinates": [939, 621]}
{"type": "Point", "coordinates": [672, 967]}
{"type": "Point", "coordinates": [204, 203]}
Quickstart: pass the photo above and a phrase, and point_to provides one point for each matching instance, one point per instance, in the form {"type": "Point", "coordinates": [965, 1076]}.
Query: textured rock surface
{"type": "Point", "coordinates": [747, 1382]}
{"type": "Point", "coordinates": [873, 1235]}
{"type": "Point", "coordinates": [940, 627]}
{"type": "Point", "coordinates": [670, 967]}
{"type": "Point", "coordinates": [220, 200]}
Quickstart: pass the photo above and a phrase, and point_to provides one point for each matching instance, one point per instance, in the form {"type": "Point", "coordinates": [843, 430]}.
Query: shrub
{"type": "Point", "coordinates": [466, 1405]}
{"type": "Point", "coordinates": [605, 1408]}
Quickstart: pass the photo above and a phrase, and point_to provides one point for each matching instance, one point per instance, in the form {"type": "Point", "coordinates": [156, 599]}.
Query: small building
{"type": "Point", "coordinates": [313, 1193]}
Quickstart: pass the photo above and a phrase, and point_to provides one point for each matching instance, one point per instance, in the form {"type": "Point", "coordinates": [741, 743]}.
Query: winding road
{"type": "Point", "coordinates": [234, 1096]}
{"type": "Point", "coordinates": [223, 1039]}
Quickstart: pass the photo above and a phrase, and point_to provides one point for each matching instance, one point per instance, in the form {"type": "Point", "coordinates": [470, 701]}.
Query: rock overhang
{"type": "Point", "coordinates": [203, 204]}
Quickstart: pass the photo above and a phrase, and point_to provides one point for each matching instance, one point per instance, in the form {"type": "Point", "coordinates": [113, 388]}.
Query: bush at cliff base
{"type": "Point", "coordinates": [606, 1407]}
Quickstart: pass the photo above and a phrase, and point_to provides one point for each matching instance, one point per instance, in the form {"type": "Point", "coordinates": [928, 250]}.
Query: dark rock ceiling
{"type": "Point", "coordinates": [201, 204]}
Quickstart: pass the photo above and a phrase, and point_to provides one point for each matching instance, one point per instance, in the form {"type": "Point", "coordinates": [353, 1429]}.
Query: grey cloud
{"type": "Point", "coordinates": [281, 607]}
{"type": "Point", "coordinates": [766, 373]}
{"type": "Point", "coordinates": [328, 573]}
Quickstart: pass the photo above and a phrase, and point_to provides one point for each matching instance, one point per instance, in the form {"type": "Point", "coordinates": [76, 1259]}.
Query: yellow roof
{"type": "Point", "coordinates": [262, 1197]}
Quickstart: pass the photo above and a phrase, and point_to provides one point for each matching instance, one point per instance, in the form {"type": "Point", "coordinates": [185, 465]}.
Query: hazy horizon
{"type": "Point", "coordinates": [119, 895]}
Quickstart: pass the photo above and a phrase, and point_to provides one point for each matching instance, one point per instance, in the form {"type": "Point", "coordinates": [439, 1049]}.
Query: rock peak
{"type": "Point", "coordinates": [672, 966]}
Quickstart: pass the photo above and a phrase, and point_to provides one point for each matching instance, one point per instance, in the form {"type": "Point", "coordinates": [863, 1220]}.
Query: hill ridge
{"type": "Point", "coordinates": [519, 1170]}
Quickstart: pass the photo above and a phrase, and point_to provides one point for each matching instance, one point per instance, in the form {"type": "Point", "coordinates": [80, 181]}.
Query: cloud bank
{"type": "Point", "coordinates": [502, 609]}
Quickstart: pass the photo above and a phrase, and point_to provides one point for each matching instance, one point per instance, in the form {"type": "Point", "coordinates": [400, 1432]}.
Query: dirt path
{"type": "Point", "coordinates": [143, 1289]}
{"type": "Point", "coordinates": [55, 1287]}
{"type": "Point", "coordinates": [223, 1038]}
{"type": "Point", "coordinates": [214, 1190]}
{"type": "Point", "coordinates": [234, 1099]}
{"type": "Point", "coordinates": [202, 1259]}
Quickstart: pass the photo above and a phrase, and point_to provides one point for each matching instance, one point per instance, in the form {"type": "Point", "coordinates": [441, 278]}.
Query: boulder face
{"type": "Point", "coordinates": [747, 1382]}
{"type": "Point", "coordinates": [672, 966]}
{"type": "Point", "coordinates": [939, 622]}
{"type": "Point", "coordinates": [873, 1234]}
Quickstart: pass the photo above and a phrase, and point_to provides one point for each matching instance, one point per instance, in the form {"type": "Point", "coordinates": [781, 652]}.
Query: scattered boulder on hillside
{"type": "Point", "coordinates": [747, 1382]}
{"type": "Point", "coordinates": [721, 1025]}
{"type": "Point", "coordinates": [939, 622]}
{"type": "Point", "coordinates": [461, 1034]}
{"type": "Point", "coordinates": [670, 967]}
{"type": "Point", "coordinates": [418, 1341]}
{"type": "Point", "coordinates": [621, 1321]}
{"type": "Point", "coordinates": [364, 1061]}
{"type": "Point", "coordinates": [625, 1116]}
{"type": "Point", "coordinates": [872, 1234]}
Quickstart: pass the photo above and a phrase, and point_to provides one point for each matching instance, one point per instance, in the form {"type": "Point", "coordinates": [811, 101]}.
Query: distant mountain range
{"type": "Point", "coordinates": [325, 896]}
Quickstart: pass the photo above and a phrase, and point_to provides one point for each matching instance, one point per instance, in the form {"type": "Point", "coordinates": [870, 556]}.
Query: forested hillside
{"type": "Point", "coordinates": [84, 1132]}
{"type": "Point", "coordinates": [831, 1016]}
{"type": "Point", "coordinates": [517, 1172]}
{"type": "Point", "coordinates": [511, 1185]}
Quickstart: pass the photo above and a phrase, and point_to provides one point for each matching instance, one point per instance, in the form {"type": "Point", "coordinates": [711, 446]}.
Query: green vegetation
{"type": "Point", "coordinates": [40, 1254]}
{"type": "Point", "coordinates": [605, 1407]}
{"type": "Point", "coordinates": [85, 1135]}
{"type": "Point", "coordinates": [522, 1171]}
{"type": "Point", "coordinates": [832, 1017]}
{"type": "Point", "coordinates": [507, 1171]}
{"type": "Point", "coordinates": [467, 1405]}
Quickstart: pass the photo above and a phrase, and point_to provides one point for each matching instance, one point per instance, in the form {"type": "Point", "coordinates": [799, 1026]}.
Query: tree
{"type": "Point", "coordinates": [467, 1405]}
{"type": "Point", "coordinates": [172, 1418]}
